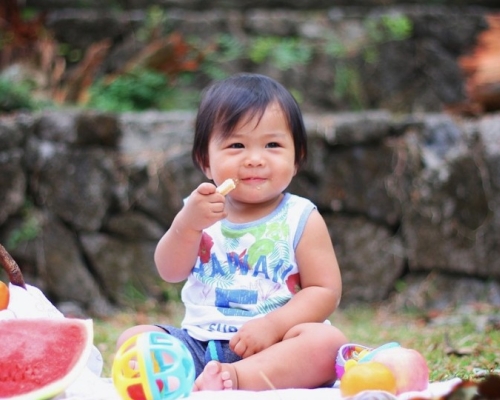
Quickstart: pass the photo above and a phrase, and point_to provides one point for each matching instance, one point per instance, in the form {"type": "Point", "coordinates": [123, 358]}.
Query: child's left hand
{"type": "Point", "coordinates": [255, 336]}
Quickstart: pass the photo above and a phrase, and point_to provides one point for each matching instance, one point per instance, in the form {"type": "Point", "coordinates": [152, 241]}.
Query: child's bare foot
{"type": "Point", "coordinates": [216, 376]}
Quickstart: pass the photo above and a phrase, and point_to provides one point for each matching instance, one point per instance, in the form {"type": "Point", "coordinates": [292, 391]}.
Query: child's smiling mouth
{"type": "Point", "coordinates": [254, 180]}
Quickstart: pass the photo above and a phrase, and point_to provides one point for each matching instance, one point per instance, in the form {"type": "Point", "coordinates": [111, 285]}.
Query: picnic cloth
{"type": "Point", "coordinates": [91, 387]}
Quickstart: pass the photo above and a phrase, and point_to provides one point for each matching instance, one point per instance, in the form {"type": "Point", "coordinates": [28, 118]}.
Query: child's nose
{"type": "Point", "coordinates": [254, 158]}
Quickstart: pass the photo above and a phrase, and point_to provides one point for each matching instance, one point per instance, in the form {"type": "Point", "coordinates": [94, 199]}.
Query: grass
{"type": "Point", "coordinates": [462, 342]}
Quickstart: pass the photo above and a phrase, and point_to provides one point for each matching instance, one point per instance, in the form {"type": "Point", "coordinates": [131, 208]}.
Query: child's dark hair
{"type": "Point", "coordinates": [226, 102]}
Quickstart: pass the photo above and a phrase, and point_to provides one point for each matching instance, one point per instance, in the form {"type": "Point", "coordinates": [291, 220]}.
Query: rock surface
{"type": "Point", "coordinates": [407, 198]}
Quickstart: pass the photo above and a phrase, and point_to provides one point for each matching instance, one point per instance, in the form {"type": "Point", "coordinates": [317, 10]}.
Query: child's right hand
{"type": "Point", "coordinates": [203, 208]}
{"type": "Point", "coordinates": [177, 250]}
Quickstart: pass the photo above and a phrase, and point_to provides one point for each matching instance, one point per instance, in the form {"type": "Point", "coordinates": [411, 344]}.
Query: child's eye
{"type": "Point", "coordinates": [273, 145]}
{"type": "Point", "coordinates": [236, 146]}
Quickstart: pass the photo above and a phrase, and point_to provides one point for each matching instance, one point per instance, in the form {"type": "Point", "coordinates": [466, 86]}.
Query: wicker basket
{"type": "Point", "coordinates": [11, 268]}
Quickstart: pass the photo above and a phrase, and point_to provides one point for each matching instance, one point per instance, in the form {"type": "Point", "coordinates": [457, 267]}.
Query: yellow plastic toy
{"type": "Point", "coordinates": [153, 366]}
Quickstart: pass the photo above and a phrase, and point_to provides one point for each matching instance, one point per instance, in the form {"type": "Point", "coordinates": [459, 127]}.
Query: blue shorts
{"type": "Point", "coordinates": [203, 352]}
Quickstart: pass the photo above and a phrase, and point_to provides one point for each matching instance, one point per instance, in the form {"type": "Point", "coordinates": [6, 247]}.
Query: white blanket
{"type": "Point", "coordinates": [32, 303]}
{"type": "Point", "coordinates": [91, 387]}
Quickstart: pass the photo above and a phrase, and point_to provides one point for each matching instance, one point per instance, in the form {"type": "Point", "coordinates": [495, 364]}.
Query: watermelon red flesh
{"type": "Point", "coordinates": [38, 357]}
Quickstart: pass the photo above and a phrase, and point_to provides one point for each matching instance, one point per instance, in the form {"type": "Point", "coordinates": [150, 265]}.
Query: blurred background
{"type": "Point", "coordinates": [342, 55]}
{"type": "Point", "coordinates": [401, 101]}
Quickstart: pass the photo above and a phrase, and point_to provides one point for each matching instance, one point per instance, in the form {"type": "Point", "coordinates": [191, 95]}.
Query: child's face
{"type": "Point", "coordinates": [261, 156]}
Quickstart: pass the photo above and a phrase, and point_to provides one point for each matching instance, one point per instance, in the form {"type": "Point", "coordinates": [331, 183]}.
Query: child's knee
{"type": "Point", "coordinates": [319, 336]}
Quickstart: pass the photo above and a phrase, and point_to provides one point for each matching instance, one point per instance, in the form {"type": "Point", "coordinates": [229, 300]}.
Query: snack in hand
{"type": "Point", "coordinates": [225, 187]}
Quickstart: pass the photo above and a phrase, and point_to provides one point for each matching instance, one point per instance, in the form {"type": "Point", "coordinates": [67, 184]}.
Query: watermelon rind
{"type": "Point", "coordinates": [58, 386]}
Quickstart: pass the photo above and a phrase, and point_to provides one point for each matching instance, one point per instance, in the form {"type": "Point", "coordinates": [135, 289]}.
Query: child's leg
{"type": "Point", "coordinates": [304, 359]}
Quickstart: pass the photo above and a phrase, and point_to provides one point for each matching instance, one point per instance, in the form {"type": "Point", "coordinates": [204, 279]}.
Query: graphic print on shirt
{"type": "Point", "coordinates": [257, 257]}
{"type": "Point", "coordinates": [205, 249]}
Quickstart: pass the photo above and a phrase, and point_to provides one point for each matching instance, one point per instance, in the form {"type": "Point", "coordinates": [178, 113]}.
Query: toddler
{"type": "Point", "coordinates": [261, 272]}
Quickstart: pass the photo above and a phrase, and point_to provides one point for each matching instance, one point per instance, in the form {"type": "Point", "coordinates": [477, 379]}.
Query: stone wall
{"type": "Point", "coordinates": [412, 202]}
{"type": "Point", "coordinates": [247, 4]}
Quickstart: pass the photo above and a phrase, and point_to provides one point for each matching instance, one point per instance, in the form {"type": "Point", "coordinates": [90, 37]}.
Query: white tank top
{"type": "Point", "coordinates": [244, 271]}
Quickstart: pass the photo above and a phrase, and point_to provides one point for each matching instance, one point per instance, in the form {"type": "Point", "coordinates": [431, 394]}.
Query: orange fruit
{"type": "Point", "coordinates": [369, 375]}
{"type": "Point", "coordinates": [4, 296]}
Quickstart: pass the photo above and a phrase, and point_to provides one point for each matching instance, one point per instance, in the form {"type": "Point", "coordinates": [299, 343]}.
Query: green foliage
{"type": "Point", "coordinates": [171, 292]}
{"type": "Point", "coordinates": [227, 49]}
{"type": "Point", "coordinates": [335, 48]}
{"type": "Point", "coordinates": [135, 91]}
{"type": "Point", "coordinates": [348, 85]}
{"type": "Point", "coordinates": [385, 29]}
{"type": "Point", "coordinates": [297, 95]}
{"type": "Point", "coordinates": [145, 89]}
{"type": "Point", "coordinates": [399, 27]}
{"type": "Point", "coordinates": [16, 96]}
{"type": "Point", "coordinates": [28, 230]}
{"type": "Point", "coordinates": [388, 27]}
{"type": "Point", "coordinates": [28, 13]}
{"type": "Point", "coordinates": [71, 55]}
{"type": "Point", "coordinates": [283, 53]}
{"type": "Point", "coordinates": [182, 95]}
{"type": "Point", "coordinates": [155, 21]}
{"type": "Point", "coordinates": [132, 294]}
{"type": "Point", "coordinates": [380, 30]}
{"type": "Point", "coordinates": [400, 286]}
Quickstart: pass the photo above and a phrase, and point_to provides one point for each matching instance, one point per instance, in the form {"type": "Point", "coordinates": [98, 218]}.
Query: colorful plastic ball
{"type": "Point", "coordinates": [350, 354]}
{"type": "Point", "coordinates": [153, 366]}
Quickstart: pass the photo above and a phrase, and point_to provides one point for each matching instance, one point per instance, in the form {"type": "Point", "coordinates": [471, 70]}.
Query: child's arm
{"type": "Point", "coordinates": [319, 297]}
{"type": "Point", "coordinates": [177, 250]}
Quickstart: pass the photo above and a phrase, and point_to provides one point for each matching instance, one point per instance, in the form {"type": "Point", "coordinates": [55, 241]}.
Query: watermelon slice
{"type": "Point", "coordinates": [40, 358]}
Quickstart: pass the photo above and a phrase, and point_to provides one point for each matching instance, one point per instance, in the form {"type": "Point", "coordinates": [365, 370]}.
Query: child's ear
{"type": "Point", "coordinates": [207, 172]}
